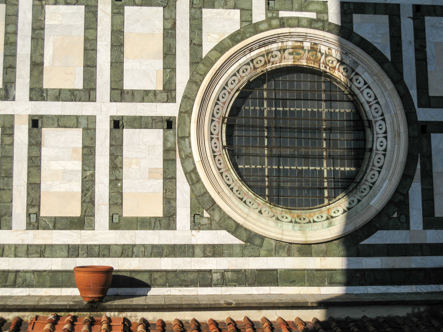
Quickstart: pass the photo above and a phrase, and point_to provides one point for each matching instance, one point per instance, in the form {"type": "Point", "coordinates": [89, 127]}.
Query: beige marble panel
{"type": "Point", "coordinates": [143, 204]}
{"type": "Point", "coordinates": [142, 172]}
{"type": "Point", "coordinates": [63, 47]}
{"type": "Point", "coordinates": [60, 204]}
{"type": "Point", "coordinates": [143, 48]}
{"type": "Point", "coordinates": [61, 172]}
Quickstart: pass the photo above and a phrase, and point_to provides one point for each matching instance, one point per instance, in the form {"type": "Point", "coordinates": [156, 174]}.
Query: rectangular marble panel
{"type": "Point", "coordinates": [64, 45]}
{"type": "Point", "coordinates": [217, 24]}
{"type": "Point", "coordinates": [434, 49]}
{"type": "Point", "coordinates": [143, 48]}
{"type": "Point", "coordinates": [61, 172]}
{"type": "Point", "coordinates": [437, 168]}
{"type": "Point", "coordinates": [2, 39]}
{"type": "Point", "coordinates": [283, 13]}
{"type": "Point", "coordinates": [374, 28]}
{"type": "Point", "coordinates": [142, 172]}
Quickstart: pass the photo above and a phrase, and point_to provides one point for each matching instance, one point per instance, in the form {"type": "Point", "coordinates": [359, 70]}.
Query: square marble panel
{"type": "Point", "coordinates": [374, 28]}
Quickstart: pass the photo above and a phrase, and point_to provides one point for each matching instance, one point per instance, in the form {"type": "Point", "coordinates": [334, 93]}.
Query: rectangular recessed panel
{"type": "Point", "coordinates": [434, 49]}
{"type": "Point", "coordinates": [2, 39]}
{"type": "Point", "coordinates": [61, 172]}
{"type": "Point", "coordinates": [64, 45]}
{"type": "Point", "coordinates": [143, 173]}
{"type": "Point", "coordinates": [217, 24]}
{"type": "Point", "coordinates": [143, 48]}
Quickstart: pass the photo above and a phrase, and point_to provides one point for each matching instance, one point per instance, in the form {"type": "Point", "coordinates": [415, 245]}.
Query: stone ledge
{"type": "Point", "coordinates": [213, 302]}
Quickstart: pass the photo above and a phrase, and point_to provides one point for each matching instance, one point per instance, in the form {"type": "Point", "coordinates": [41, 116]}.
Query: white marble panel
{"type": "Point", "coordinates": [217, 24]}
{"type": "Point", "coordinates": [61, 172]}
{"type": "Point", "coordinates": [415, 202]}
{"type": "Point", "coordinates": [143, 49]}
{"type": "Point", "coordinates": [437, 168]}
{"type": "Point", "coordinates": [434, 49]}
{"type": "Point", "coordinates": [23, 50]}
{"type": "Point", "coordinates": [258, 10]}
{"type": "Point", "coordinates": [63, 47]}
{"type": "Point", "coordinates": [334, 11]}
{"type": "Point", "coordinates": [408, 48]}
{"type": "Point", "coordinates": [283, 13]}
{"type": "Point", "coordinates": [20, 172]}
{"type": "Point", "coordinates": [374, 28]}
{"type": "Point", "coordinates": [142, 172]}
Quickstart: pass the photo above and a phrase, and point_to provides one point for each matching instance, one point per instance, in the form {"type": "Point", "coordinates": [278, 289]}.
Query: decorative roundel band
{"type": "Point", "coordinates": [352, 68]}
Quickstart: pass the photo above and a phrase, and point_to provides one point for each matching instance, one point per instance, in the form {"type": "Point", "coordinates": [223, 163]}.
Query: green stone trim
{"type": "Point", "coordinates": [221, 220]}
{"type": "Point", "coordinates": [213, 250]}
{"type": "Point", "coordinates": [7, 90]}
{"type": "Point", "coordinates": [6, 163]}
{"type": "Point", "coordinates": [230, 278]}
{"type": "Point", "coordinates": [86, 219]}
{"type": "Point", "coordinates": [421, 60]}
{"type": "Point", "coordinates": [319, 7]}
{"type": "Point", "coordinates": [118, 93]}
{"type": "Point", "coordinates": [168, 221]}
{"type": "Point", "coordinates": [36, 90]}
{"type": "Point", "coordinates": [196, 23]}
{"type": "Point", "coordinates": [393, 12]}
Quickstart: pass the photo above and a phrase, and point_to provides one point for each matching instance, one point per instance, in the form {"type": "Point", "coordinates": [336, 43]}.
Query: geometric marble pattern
{"type": "Point", "coordinates": [143, 49]}
{"type": "Point", "coordinates": [374, 28]}
{"type": "Point", "coordinates": [64, 46]}
{"type": "Point", "coordinates": [61, 172]}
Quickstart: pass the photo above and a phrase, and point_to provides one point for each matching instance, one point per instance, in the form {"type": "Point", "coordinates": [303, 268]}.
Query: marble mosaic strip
{"type": "Point", "coordinates": [57, 291]}
{"type": "Point", "coordinates": [8, 48]}
{"type": "Point", "coordinates": [6, 164]}
{"type": "Point", "coordinates": [160, 58]}
{"type": "Point", "coordinates": [70, 76]}
{"type": "Point", "coordinates": [227, 263]}
{"type": "Point", "coordinates": [36, 172]}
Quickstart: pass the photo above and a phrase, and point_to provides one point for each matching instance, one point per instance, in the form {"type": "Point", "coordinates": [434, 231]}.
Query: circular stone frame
{"type": "Point", "coordinates": [308, 48]}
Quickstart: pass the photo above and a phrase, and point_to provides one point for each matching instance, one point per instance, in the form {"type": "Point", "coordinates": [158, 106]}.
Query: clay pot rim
{"type": "Point", "coordinates": [93, 268]}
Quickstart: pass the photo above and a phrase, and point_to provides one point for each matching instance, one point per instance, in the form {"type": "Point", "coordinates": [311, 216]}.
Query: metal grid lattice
{"type": "Point", "coordinates": [295, 138]}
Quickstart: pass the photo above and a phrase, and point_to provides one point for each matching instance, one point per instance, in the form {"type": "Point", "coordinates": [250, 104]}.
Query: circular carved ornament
{"type": "Point", "coordinates": [352, 67]}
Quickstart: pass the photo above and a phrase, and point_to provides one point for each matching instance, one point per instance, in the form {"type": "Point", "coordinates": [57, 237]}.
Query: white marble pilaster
{"type": "Point", "coordinates": [104, 51]}
{"type": "Point", "coordinates": [258, 10]}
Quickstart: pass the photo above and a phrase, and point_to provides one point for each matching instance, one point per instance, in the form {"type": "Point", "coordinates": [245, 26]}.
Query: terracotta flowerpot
{"type": "Point", "coordinates": [93, 281]}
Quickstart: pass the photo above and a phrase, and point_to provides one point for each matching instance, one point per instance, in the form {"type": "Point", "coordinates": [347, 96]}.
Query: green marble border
{"type": "Point", "coordinates": [36, 90]}
{"type": "Point", "coordinates": [421, 61]}
{"type": "Point", "coordinates": [118, 93]}
{"type": "Point", "coordinates": [430, 221]}
{"type": "Point", "coordinates": [231, 278]}
{"type": "Point", "coordinates": [214, 250]}
{"type": "Point", "coordinates": [218, 217]}
{"type": "Point", "coordinates": [168, 221]}
{"type": "Point", "coordinates": [6, 167]}
{"type": "Point", "coordinates": [7, 90]}
{"type": "Point", "coordinates": [86, 219]}
{"type": "Point", "coordinates": [319, 7]}
{"type": "Point", "coordinates": [196, 23]}
{"type": "Point", "coordinates": [393, 13]}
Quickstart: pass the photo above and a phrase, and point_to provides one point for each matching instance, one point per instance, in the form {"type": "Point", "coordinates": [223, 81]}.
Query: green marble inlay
{"type": "Point", "coordinates": [7, 90]}
{"type": "Point", "coordinates": [168, 221]}
{"type": "Point", "coordinates": [320, 8]}
{"type": "Point", "coordinates": [87, 124]}
{"type": "Point", "coordinates": [88, 93]}
{"type": "Point", "coordinates": [6, 163]}
{"type": "Point", "coordinates": [168, 93]}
